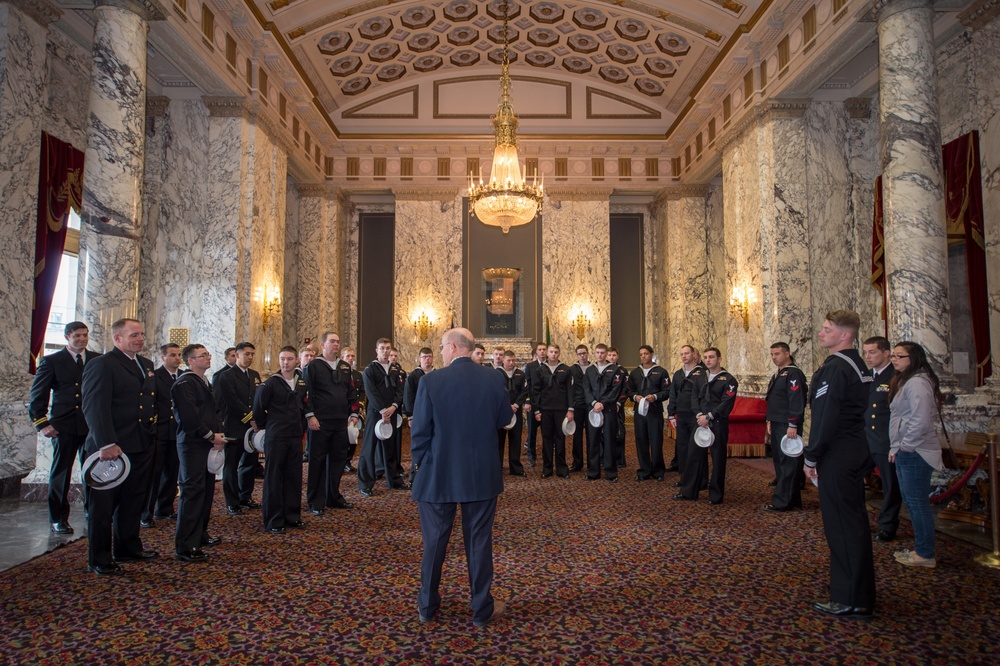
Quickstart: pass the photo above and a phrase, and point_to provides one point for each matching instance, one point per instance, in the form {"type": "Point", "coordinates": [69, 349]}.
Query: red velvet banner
{"type": "Point", "coordinates": [878, 252]}
{"type": "Point", "coordinates": [963, 200]}
{"type": "Point", "coordinates": [60, 187]}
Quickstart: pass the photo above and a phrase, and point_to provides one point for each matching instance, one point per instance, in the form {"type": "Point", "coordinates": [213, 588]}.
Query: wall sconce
{"type": "Point", "coordinates": [270, 301]}
{"type": "Point", "coordinates": [581, 324]}
{"type": "Point", "coordinates": [422, 326]}
{"type": "Point", "coordinates": [739, 304]}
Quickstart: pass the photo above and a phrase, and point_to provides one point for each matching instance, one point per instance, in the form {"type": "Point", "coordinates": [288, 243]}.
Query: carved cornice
{"type": "Point", "coordinates": [570, 193]}
{"type": "Point", "coordinates": [682, 192]}
{"type": "Point", "coordinates": [425, 194]}
{"type": "Point", "coordinates": [980, 14]}
{"type": "Point", "coordinates": [148, 10]}
{"type": "Point", "coordinates": [859, 107]}
{"type": "Point", "coordinates": [883, 9]}
{"type": "Point", "coordinates": [156, 106]}
{"type": "Point", "coordinates": [264, 121]}
{"type": "Point", "coordinates": [773, 109]}
{"type": "Point", "coordinates": [228, 107]}
{"type": "Point", "coordinates": [325, 190]}
{"type": "Point", "coordinates": [40, 10]}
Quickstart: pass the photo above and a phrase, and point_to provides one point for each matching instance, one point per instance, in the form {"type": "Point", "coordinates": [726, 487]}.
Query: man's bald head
{"type": "Point", "coordinates": [457, 342]}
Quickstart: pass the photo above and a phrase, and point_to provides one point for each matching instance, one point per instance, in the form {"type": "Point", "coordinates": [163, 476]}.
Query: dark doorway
{"type": "Point", "coordinates": [377, 274]}
{"type": "Point", "coordinates": [627, 292]}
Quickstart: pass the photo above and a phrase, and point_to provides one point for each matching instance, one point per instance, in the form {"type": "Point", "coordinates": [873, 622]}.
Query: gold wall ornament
{"type": "Point", "coordinates": [581, 324]}
{"type": "Point", "coordinates": [422, 326]}
{"type": "Point", "coordinates": [739, 303]}
{"type": "Point", "coordinates": [270, 303]}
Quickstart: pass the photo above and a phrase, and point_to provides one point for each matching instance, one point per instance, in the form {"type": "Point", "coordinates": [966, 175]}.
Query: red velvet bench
{"type": "Point", "coordinates": [748, 428]}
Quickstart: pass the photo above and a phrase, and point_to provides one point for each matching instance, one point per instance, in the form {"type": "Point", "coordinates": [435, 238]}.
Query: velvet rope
{"type": "Point", "coordinates": [955, 487]}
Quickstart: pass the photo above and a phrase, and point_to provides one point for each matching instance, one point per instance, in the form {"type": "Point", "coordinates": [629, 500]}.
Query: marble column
{"type": "Point", "coordinates": [319, 257]}
{"type": "Point", "coordinates": [23, 92]}
{"type": "Point", "coordinates": [913, 197]}
{"type": "Point", "coordinates": [426, 281]}
{"type": "Point", "coordinates": [686, 276]}
{"type": "Point", "coordinates": [113, 173]}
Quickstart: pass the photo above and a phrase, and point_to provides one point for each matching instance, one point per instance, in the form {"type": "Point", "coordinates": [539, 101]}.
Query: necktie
{"type": "Point", "coordinates": [79, 361]}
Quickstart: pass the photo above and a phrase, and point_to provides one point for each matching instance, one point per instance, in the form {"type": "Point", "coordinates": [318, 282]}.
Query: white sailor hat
{"type": "Point", "coordinates": [704, 437]}
{"type": "Point", "coordinates": [513, 422]}
{"type": "Point", "coordinates": [569, 427]}
{"type": "Point", "coordinates": [352, 433]}
{"type": "Point", "coordinates": [383, 430]}
{"type": "Point", "coordinates": [105, 474]}
{"type": "Point", "coordinates": [792, 446]}
{"type": "Point", "coordinates": [596, 418]}
{"type": "Point", "coordinates": [216, 461]}
{"type": "Point", "coordinates": [399, 420]}
{"type": "Point", "coordinates": [643, 407]}
{"type": "Point", "coordinates": [257, 441]}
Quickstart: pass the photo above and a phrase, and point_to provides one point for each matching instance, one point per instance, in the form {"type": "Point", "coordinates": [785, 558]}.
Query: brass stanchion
{"type": "Point", "coordinates": [992, 559]}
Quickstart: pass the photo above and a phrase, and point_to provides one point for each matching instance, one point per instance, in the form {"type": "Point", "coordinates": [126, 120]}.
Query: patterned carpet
{"type": "Point", "coordinates": [594, 573]}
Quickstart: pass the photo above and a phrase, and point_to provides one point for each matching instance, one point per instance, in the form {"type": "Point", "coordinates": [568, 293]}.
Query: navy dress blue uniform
{"type": "Point", "coordinates": [552, 395]}
{"type": "Point", "coordinates": [649, 428]}
{"type": "Point", "coordinates": [453, 441]}
{"type": "Point", "coordinates": [163, 479]}
{"type": "Point", "coordinates": [234, 392]}
{"type": "Point", "coordinates": [60, 374]}
{"type": "Point", "coordinates": [198, 420]}
{"type": "Point", "coordinates": [383, 390]}
{"type": "Point", "coordinates": [714, 398]}
{"type": "Point", "coordinates": [786, 406]}
{"type": "Point", "coordinates": [332, 400]}
{"type": "Point", "coordinates": [604, 386]}
{"type": "Point", "coordinates": [620, 409]}
{"type": "Point", "coordinates": [838, 449]}
{"type": "Point", "coordinates": [280, 410]}
{"type": "Point", "coordinates": [679, 407]}
{"type": "Point", "coordinates": [877, 430]}
{"type": "Point", "coordinates": [517, 392]}
{"type": "Point", "coordinates": [581, 453]}
{"type": "Point", "coordinates": [119, 403]}
{"type": "Point", "coordinates": [530, 370]}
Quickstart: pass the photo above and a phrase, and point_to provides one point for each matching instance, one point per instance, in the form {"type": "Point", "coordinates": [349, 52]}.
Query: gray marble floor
{"type": "Point", "coordinates": [25, 533]}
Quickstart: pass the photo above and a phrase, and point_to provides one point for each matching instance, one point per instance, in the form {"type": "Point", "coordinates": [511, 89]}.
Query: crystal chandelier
{"type": "Point", "coordinates": [507, 200]}
{"type": "Point", "coordinates": [501, 300]}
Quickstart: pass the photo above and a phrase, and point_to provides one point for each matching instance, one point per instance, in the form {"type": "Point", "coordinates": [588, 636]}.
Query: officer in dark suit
{"type": "Point", "coordinates": [517, 391]}
{"type": "Point", "coordinates": [837, 457]}
{"type": "Point", "coordinates": [552, 398]}
{"type": "Point", "coordinates": [602, 386]}
{"type": "Point", "coordinates": [397, 435]}
{"type": "Point", "coordinates": [459, 409]}
{"type": "Point", "coordinates": [333, 403]}
{"type": "Point", "coordinates": [876, 351]}
{"type": "Point", "coordinates": [230, 356]}
{"type": "Point", "coordinates": [384, 389]}
{"type": "Point", "coordinates": [234, 392]}
{"type": "Point", "coordinates": [163, 479]}
{"type": "Point", "coordinates": [651, 382]}
{"type": "Point", "coordinates": [530, 370]}
{"type": "Point", "coordinates": [279, 408]}
{"type": "Point", "coordinates": [578, 371]}
{"type": "Point", "coordinates": [119, 403]}
{"type": "Point", "coordinates": [712, 399]}
{"type": "Point", "coordinates": [60, 375]}
{"type": "Point", "coordinates": [679, 408]}
{"type": "Point", "coordinates": [199, 430]}
{"type": "Point", "coordinates": [786, 406]}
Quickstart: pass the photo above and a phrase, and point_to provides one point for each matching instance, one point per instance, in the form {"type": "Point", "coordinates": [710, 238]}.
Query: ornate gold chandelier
{"type": "Point", "coordinates": [501, 300]}
{"type": "Point", "coordinates": [507, 200]}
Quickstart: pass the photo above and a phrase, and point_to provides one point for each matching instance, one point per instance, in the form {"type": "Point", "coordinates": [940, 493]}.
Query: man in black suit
{"type": "Point", "coordinates": [602, 386]}
{"type": "Point", "coordinates": [613, 357]}
{"type": "Point", "coordinates": [384, 389]}
{"type": "Point", "coordinates": [199, 430]}
{"type": "Point", "coordinates": [651, 382]}
{"type": "Point", "coordinates": [837, 457]}
{"type": "Point", "coordinates": [279, 408]}
{"type": "Point", "coordinates": [530, 369]}
{"type": "Point", "coordinates": [119, 403]}
{"type": "Point", "coordinates": [459, 408]}
{"type": "Point", "coordinates": [230, 356]}
{"type": "Point", "coordinates": [60, 375]}
{"type": "Point", "coordinates": [425, 364]}
{"type": "Point", "coordinates": [517, 392]}
{"type": "Point", "coordinates": [552, 397]}
{"type": "Point", "coordinates": [580, 408]}
{"type": "Point", "coordinates": [397, 436]}
{"type": "Point", "coordinates": [713, 397]}
{"type": "Point", "coordinates": [163, 479]}
{"type": "Point", "coordinates": [876, 351]}
{"type": "Point", "coordinates": [786, 406]}
{"type": "Point", "coordinates": [234, 392]}
{"type": "Point", "coordinates": [333, 403]}
{"type": "Point", "coordinates": [679, 406]}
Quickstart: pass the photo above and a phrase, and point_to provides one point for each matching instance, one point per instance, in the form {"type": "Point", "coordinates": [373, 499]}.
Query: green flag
{"type": "Point", "coordinates": [548, 332]}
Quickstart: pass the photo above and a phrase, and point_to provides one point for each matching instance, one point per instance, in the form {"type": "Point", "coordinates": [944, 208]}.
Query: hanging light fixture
{"type": "Point", "coordinates": [507, 200]}
{"type": "Point", "coordinates": [501, 300]}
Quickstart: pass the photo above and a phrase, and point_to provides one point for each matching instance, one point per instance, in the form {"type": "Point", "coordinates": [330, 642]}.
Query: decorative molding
{"type": "Point", "coordinates": [227, 107]}
{"type": "Point", "coordinates": [41, 11]}
{"type": "Point", "coordinates": [859, 107]}
{"type": "Point", "coordinates": [425, 194]}
{"type": "Point", "coordinates": [156, 106]}
{"type": "Point", "coordinates": [648, 112]}
{"type": "Point", "coordinates": [437, 115]}
{"type": "Point", "coordinates": [773, 109]}
{"type": "Point", "coordinates": [980, 14]}
{"type": "Point", "coordinates": [883, 9]}
{"type": "Point", "coordinates": [579, 193]}
{"type": "Point", "coordinates": [354, 111]}
{"type": "Point", "coordinates": [147, 10]}
{"type": "Point", "coordinates": [325, 190]}
{"type": "Point", "coordinates": [682, 192]}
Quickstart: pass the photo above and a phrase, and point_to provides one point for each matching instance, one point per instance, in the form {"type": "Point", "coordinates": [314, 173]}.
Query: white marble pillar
{"type": "Point", "coordinates": [913, 197]}
{"type": "Point", "coordinates": [426, 280]}
{"type": "Point", "coordinates": [320, 257]}
{"type": "Point", "coordinates": [686, 276]}
{"type": "Point", "coordinates": [23, 92]}
{"type": "Point", "coordinates": [113, 172]}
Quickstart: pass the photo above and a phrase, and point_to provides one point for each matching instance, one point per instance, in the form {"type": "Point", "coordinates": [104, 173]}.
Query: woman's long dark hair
{"type": "Point", "coordinates": [918, 363]}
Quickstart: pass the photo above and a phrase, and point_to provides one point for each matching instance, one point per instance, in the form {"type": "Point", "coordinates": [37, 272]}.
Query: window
{"type": "Point", "coordinates": [64, 299]}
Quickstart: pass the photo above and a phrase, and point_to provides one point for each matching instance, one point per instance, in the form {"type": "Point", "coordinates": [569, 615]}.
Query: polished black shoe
{"type": "Point", "coordinates": [275, 530]}
{"type": "Point", "coordinates": [883, 537]}
{"type": "Point", "coordinates": [641, 478]}
{"type": "Point", "coordinates": [772, 483]}
{"type": "Point", "coordinates": [195, 555]}
{"type": "Point", "coordinates": [61, 528]}
{"type": "Point", "coordinates": [842, 610]}
{"type": "Point", "coordinates": [315, 512]}
{"type": "Point", "coordinates": [296, 524]}
{"type": "Point", "coordinates": [611, 479]}
{"type": "Point", "coordinates": [658, 478]}
{"type": "Point", "coordinates": [208, 541]}
{"type": "Point", "coordinates": [137, 557]}
{"type": "Point", "coordinates": [521, 473]}
{"type": "Point", "coordinates": [576, 468]}
{"type": "Point", "coordinates": [677, 484]}
{"type": "Point", "coordinates": [147, 523]}
{"type": "Point", "coordinates": [249, 504]}
{"type": "Point", "coordinates": [774, 509]}
{"type": "Point", "coordinates": [592, 478]}
{"type": "Point", "coordinates": [106, 569]}
{"type": "Point", "coordinates": [546, 476]}
{"type": "Point", "coordinates": [344, 504]}
{"type": "Point", "coordinates": [172, 516]}
{"type": "Point", "coordinates": [425, 618]}
{"type": "Point", "coordinates": [563, 476]}
{"type": "Point", "coordinates": [715, 502]}
{"type": "Point", "coordinates": [531, 462]}
{"type": "Point", "coordinates": [400, 486]}
{"type": "Point", "coordinates": [672, 468]}
{"type": "Point", "coordinates": [366, 492]}
{"type": "Point", "coordinates": [234, 510]}
{"type": "Point", "coordinates": [682, 498]}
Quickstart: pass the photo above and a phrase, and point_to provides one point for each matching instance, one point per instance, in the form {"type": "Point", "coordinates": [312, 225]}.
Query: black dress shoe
{"type": "Point", "coordinates": [883, 537]}
{"type": "Point", "coordinates": [842, 610]}
{"type": "Point", "coordinates": [366, 492]}
{"type": "Point", "coordinates": [576, 468]}
{"type": "Point", "coordinates": [147, 523]}
{"type": "Point", "coordinates": [677, 484]}
{"type": "Point", "coordinates": [611, 479]}
{"type": "Point", "coordinates": [521, 473]}
{"type": "Point", "coordinates": [275, 530]}
{"type": "Point", "coordinates": [172, 516]}
{"type": "Point", "coordinates": [209, 541]}
{"type": "Point", "coordinates": [195, 555]}
{"type": "Point", "coordinates": [350, 470]}
{"type": "Point", "coordinates": [137, 557]}
{"type": "Point", "coordinates": [772, 483]}
{"type": "Point", "coordinates": [250, 504]}
{"type": "Point", "coordinates": [106, 569]}
{"type": "Point", "coordinates": [715, 502]}
{"type": "Point", "coordinates": [234, 510]}
{"type": "Point", "coordinates": [774, 509]}
{"type": "Point", "coordinates": [344, 504]}
{"type": "Point", "coordinates": [641, 478]}
{"type": "Point", "coordinates": [62, 528]}
{"type": "Point", "coordinates": [563, 476]}
{"type": "Point", "coordinates": [316, 512]}
{"type": "Point", "coordinates": [683, 498]}
{"type": "Point", "coordinates": [592, 478]}
{"type": "Point", "coordinates": [658, 478]}
{"type": "Point", "coordinates": [400, 485]}
{"type": "Point", "coordinates": [672, 468]}
{"type": "Point", "coordinates": [546, 476]}
{"type": "Point", "coordinates": [296, 524]}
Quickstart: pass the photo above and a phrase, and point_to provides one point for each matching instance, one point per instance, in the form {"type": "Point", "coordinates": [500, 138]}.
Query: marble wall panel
{"type": "Point", "coordinates": [686, 253]}
{"type": "Point", "coordinates": [68, 90]}
{"type": "Point", "coordinates": [717, 298]}
{"type": "Point", "coordinates": [863, 169]}
{"type": "Point", "coordinates": [576, 267]}
{"type": "Point", "coordinates": [290, 277]}
{"type": "Point", "coordinates": [310, 258]}
{"type": "Point", "coordinates": [426, 280]}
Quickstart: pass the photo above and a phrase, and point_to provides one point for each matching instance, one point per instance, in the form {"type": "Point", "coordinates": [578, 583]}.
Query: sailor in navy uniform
{"type": "Point", "coordinates": [602, 386]}
{"type": "Point", "coordinates": [517, 391]}
{"type": "Point", "coordinates": [652, 382]}
{"type": "Point", "coordinates": [712, 399]}
{"type": "Point", "coordinates": [786, 406]}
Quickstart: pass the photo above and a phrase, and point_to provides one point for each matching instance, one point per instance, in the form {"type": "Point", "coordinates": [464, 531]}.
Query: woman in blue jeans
{"type": "Point", "coordinates": [914, 400]}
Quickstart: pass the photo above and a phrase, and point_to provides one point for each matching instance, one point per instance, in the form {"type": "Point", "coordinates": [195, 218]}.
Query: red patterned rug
{"type": "Point", "coordinates": [594, 573]}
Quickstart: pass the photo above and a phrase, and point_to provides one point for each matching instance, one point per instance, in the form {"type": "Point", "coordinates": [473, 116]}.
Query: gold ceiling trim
{"type": "Point", "coordinates": [414, 113]}
{"type": "Point", "coordinates": [339, 15]}
{"type": "Point", "coordinates": [650, 112]}
{"type": "Point", "coordinates": [437, 115]}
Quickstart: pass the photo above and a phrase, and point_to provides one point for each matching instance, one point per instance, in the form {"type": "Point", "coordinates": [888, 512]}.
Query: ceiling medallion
{"type": "Point", "coordinates": [507, 200]}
